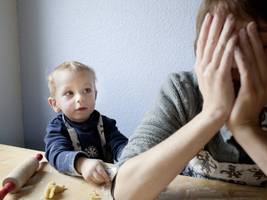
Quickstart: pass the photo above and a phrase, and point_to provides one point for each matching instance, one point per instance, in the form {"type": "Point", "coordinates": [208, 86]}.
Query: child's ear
{"type": "Point", "coordinates": [53, 104]}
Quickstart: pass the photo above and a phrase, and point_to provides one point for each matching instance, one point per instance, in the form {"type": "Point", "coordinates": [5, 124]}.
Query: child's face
{"type": "Point", "coordinates": [75, 95]}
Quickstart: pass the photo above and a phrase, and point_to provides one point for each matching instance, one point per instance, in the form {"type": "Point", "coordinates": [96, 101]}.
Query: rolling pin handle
{"type": "Point", "coordinates": [8, 187]}
{"type": "Point", "coordinates": [39, 157]}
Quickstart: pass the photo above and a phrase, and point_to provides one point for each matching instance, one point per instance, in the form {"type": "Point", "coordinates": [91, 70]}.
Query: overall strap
{"type": "Point", "coordinates": [73, 135]}
{"type": "Point", "coordinates": [100, 128]}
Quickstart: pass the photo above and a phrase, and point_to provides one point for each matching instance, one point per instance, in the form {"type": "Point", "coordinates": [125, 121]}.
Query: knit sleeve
{"type": "Point", "coordinates": [58, 148]}
{"type": "Point", "coordinates": [177, 103]}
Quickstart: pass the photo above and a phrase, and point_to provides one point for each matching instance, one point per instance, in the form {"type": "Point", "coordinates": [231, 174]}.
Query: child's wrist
{"type": "Point", "coordinates": [79, 164]}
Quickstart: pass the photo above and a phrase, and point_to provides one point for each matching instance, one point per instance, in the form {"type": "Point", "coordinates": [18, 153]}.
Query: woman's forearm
{"type": "Point", "coordinates": [149, 173]}
{"type": "Point", "coordinates": [254, 141]}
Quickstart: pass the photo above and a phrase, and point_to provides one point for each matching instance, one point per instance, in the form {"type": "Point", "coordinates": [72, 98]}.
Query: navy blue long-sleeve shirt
{"type": "Point", "coordinates": [60, 152]}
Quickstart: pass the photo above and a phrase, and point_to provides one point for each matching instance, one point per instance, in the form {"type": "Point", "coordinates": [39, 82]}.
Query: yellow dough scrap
{"type": "Point", "coordinates": [52, 189]}
{"type": "Point", "coordinates": [94, 196]}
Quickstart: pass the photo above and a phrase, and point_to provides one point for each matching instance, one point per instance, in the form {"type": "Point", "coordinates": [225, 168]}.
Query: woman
{"type": "Point", "coordinates": [208, 123]}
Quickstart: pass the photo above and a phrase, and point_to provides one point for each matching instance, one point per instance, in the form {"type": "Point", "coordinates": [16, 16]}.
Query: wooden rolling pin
{"type": "Point", "coordinates": [20, 175]}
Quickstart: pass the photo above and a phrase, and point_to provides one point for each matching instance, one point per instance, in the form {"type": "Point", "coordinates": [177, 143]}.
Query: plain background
{"type": "Point", "coordinates": [132, 45]}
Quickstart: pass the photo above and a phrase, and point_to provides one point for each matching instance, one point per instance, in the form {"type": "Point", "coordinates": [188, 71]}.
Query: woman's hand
{"type": "Point", "coordinates": [252, 66]}
{"type": "Point", "coordinates": [92, 170]}
{"type": "Point", "coordinates": [215, 55]}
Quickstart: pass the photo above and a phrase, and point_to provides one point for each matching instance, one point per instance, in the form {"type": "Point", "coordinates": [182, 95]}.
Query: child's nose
{"type": "Point", "coordinates": [79, 98]}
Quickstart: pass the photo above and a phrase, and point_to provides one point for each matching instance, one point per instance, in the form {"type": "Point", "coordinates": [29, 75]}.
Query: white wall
{"type": "Point", "coordinates": [132, 45]}
{"type": "Point", "coordinates": [11, 131]}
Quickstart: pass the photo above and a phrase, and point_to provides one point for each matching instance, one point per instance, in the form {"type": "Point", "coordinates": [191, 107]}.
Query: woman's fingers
{"type": "Point", "coordinates": [243, 68]}
{"type": "Point", "coordinates": [248, 55]}
{"type": "Point", "coordinates": [213, 37]}
{"type": "Point", "coordinates": [245, 46]}
{"type": "Point", "coordinates": [228, 56]}
{"type": "Point", "coordinates": [258, 49]}
{"type": "Point", "coordinates": [224, 37]}
{"type": "Point", "coordinates": [203, 35]}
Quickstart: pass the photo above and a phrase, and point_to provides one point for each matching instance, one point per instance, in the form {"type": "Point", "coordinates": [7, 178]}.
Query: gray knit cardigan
{"type": "Point", "coordinates": [178, 102]}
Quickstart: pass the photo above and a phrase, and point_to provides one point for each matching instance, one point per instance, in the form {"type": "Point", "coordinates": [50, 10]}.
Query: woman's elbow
{"type": "Point", "coordinates": [122, 187]}
{"type": "Point", "coordinates": [125, 187]}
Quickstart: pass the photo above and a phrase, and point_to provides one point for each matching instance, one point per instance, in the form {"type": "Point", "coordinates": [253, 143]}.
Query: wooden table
{"type": "Point", "coordinates": [183, 187]}
{"type": "Point", "coordinates": [180, 188]}
{"type": "Point", "coordinates": [77, 188]}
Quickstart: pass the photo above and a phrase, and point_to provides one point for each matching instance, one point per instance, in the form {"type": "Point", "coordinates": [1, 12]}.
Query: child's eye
{"type": "Point", "coordinates": [68, 93]}
{"type": "Point", "coordinates": [87, 90]}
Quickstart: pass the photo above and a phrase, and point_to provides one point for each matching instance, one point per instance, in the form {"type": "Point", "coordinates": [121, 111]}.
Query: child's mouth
{"type": "Point", "coordinates": [81, 109]}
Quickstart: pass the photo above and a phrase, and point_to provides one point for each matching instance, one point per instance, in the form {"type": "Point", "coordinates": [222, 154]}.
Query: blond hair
{"type": "Point", "coordinates": [72, 66]}
{"type": "Point", "coordinates": [241, 9]}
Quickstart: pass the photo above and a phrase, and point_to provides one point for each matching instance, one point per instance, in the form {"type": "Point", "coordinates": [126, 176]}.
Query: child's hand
{"type": "Point", "coordinates": [252, 66]}
{"type": "Point", "coordinates": [93, 170]}
{"type": "Point", "coordinates": [215, 55]}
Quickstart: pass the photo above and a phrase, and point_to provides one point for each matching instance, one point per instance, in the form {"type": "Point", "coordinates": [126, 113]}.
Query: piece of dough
{"type": "Point", "coordinates": [52, 189]}
{"type": "Point", "coordinates": [94, 196]}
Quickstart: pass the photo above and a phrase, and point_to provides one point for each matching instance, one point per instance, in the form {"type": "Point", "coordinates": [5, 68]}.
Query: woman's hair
{"type": "Point", "coordinates": [72, 66]}
{"type": "Point", "coordinates": [241, 9]}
